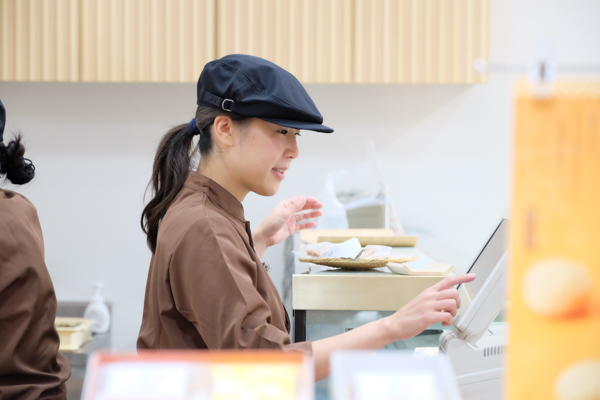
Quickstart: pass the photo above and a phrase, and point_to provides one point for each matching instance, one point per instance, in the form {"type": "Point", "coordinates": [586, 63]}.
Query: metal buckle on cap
{"type": "Point", "coordinates": [223, 104]}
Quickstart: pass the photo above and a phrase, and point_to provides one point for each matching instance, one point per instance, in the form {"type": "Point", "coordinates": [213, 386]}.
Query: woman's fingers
{"type": "Point", "coordinates": [448, 306]}
{"type": "Point", "coordinates": [307, 225]}
{"type": "Point", "coordinates": [449, 294]}
{"type": "Point", "coordinates": [300, 203]}
{"type": "Point", "coordinates": [312, 204]}
{"type": "Point", "coordinates": [446, 319]}
{"type": "Point", "coordinates": [452, 280]}
{"type": "Point", "coordinates": [295, 204]}
{"type": "Point", "coordinates": [439, 303]}
{"type": "Point", "coordinates": [308, 215]}
{"type": "Point", "coordinates": [309, 203]}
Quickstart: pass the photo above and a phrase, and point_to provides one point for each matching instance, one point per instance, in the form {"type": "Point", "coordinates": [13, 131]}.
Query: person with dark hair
{"type": "Point", "coordinates": [207, 288]}
{"type": "Point", "coordinates": [30, 365]}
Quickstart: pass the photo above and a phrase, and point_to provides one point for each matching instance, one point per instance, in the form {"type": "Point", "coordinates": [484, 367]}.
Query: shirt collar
{"type": "Point", "coordinates": [217, 193]}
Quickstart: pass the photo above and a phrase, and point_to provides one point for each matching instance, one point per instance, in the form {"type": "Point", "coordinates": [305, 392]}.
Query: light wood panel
{"type": "Point", "coordinates": [146, 40]}
{"type": "Point", "coordinates": [310, 38]}
{"type": "Point", "coordinates": [312, 235]}
{"type": "Point", "coordinates": [420, 41]}
{"type": "Point", "coordinates": [357, 291]}
{"type": "Point", "coordinates": [321, 41]}
{"type": "Point", "coordinates": [39, 40]}
{"type": "Point", "coordinates": [391, 241]}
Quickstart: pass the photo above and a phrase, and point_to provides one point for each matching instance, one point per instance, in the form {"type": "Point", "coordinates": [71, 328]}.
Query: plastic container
{"type": "Point", "coordinates": [334, 212]}
{"type": "Point", "coordinates": [73, 332]}
{"type": "Point", "coordinates": [98, 311]}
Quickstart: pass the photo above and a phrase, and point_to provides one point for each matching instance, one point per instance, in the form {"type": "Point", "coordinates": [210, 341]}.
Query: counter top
{"type": "Point", "coordinates": [323, 288]}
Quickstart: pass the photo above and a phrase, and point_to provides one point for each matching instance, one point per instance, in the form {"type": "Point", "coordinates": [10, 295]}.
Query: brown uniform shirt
{"type": "Point", "coordinates": [30, 365]}
{"type": "Point", "coordinates": [207, 288]}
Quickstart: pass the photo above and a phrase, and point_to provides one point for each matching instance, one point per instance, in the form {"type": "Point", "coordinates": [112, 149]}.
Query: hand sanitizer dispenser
{"type": "Point", "coordinates": [334, 212]}
{"type": "Point", "coordinates": [98, 311]}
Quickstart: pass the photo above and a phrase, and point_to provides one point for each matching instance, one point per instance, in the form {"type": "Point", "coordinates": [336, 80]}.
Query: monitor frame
{"type": "Point", "coordinates": [490, 298]}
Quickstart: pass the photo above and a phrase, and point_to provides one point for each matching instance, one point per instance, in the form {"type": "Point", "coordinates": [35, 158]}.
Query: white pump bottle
{"type": "Point", "coordinates": [98, 311]}
{"type": "Point", "coordinates": [334, 212]}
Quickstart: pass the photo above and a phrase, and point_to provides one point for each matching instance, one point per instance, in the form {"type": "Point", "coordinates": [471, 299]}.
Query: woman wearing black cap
{"type": "Point", "coordinates": [207, 287]}
{"type": "Point", "coordinates": [30, 365]}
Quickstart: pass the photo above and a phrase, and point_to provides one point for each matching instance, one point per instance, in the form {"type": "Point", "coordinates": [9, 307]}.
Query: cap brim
{"type": "Point", "coordinates": [308, 126]}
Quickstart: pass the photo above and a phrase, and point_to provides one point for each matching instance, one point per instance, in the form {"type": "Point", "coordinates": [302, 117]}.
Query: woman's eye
{"type": "Point", "coordinates": [285, 131]}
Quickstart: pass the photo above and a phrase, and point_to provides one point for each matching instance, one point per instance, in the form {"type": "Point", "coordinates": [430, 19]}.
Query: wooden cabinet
{"type": "Point", "coordinates": [310, 38]}
{"type": "Point", "coordinates": [146, 40]}
{"type": "Point", "coordinates": [39, 40]}
{"type": "Point", "coordinates": [361, 41]}
{"type": "Point", "coordinates": [420, 41]}
{"type": "Point", "coordinates": [319, 41]}
{"type": "Point", "coordinates": [106, 40]}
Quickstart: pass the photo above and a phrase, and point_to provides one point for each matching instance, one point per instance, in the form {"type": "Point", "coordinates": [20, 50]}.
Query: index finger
{"type": "Point", "coordinates": [453, 280]}
{"type": "Point", "coordinates": [312, 204]}
{"type": "Point", "coordinates": [295, 203]}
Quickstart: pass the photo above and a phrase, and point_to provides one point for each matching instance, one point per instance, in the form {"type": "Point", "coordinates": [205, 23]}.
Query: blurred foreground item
{"type": "Point", "coordinates": [391, 375]}
{"type": "Point", "coordinates": [200, 374]}
{"type": "Point", "coordinates": [554, 316]}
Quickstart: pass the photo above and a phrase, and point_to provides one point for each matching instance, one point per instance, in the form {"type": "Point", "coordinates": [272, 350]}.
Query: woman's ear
{"type": "Point", "coordinates": [224, 131]}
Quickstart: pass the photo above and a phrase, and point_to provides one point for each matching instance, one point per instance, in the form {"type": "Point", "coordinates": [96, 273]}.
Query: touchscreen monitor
{"type": "Point", "coordinates": [488, 257]}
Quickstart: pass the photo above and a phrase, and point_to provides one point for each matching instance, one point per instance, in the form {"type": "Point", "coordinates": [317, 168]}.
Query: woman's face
{"type": "Point", "coordinates": [262, 155]}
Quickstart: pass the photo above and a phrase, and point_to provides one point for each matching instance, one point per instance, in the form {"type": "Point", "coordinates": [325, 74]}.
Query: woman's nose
{"type": "Point", "coordinates": [293, 151]}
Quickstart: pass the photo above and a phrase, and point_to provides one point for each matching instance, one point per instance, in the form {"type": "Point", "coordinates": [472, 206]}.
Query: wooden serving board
{"type": "Point", "coordinates": [392, 241]}
{"type": "Point", "coordinates": [312, 235]}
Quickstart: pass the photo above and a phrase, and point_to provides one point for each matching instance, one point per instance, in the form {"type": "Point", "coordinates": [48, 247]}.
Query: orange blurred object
{"type": "Point", "coordinates": [199, 374]}
{"type": "Point", "coordinates": [554, 281]}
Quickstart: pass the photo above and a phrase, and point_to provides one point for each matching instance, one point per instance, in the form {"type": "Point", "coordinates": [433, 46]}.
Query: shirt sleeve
{"type": "Point", "coordinates": [213, 281]}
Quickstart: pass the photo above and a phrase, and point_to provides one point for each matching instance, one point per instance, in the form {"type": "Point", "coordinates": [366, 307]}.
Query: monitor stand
{"type": "Point", "coordinates": [475, 347]}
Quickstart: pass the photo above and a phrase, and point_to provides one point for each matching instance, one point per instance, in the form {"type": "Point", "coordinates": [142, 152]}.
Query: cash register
{"type": "Point", "coordinates": [476, 346]}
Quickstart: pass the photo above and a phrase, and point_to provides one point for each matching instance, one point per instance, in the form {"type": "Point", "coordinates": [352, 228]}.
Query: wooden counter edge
{"type": "Point", "coordinates": [357, 292]}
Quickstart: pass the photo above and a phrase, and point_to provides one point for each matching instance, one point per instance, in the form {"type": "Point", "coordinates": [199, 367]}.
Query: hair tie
{"type": "Point", "coordinates": [27, 166]}
{"type": "Point", "coordinates": [194, 128]}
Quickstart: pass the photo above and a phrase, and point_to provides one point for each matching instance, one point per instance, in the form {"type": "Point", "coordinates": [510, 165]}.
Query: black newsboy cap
{"type": "Point", "coordinates": [254, 87]}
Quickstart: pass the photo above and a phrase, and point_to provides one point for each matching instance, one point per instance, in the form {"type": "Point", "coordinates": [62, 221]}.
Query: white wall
{"type": "Point", "coordinates": [445, 148]}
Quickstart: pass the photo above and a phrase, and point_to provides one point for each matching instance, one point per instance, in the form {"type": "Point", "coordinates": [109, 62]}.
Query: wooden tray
{"type": "Point", "coordinates": [312, 235]}
{"type": "Point", "coordinates": [391, 241]}
{"type": "Point", "coordinates": [73, 332]}
{"type": "Point", "coordinates": [361, 263]}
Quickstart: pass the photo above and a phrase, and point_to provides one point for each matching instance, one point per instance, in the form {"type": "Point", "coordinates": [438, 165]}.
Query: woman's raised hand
{"type": "Point", "coordinates": [438, 303]}
{"type": "Point", "coordinates": [286, 218]}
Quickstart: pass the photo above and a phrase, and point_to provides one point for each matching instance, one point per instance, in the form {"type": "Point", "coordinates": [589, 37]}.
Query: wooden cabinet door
{"type": "Point", "coordinates": [361, 41]}
{"type": "Point", "coordinates": [39, 40]}
{"type": "Point", "coordinates": [146, 40]}
{"type": "Point", "coordinates": [310, 38]}
{"type": "Point", "coordinates": [420, 41]}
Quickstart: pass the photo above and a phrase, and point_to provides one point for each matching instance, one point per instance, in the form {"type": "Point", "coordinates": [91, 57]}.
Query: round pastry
{"type": "Point", "coordinates": [580, 381]}
{"type": "Point", "coordinates": [557, 288]}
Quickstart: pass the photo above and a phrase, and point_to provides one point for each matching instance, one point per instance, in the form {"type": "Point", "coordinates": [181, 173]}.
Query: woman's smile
{"type": "Point", "coordinates": [279, 172]}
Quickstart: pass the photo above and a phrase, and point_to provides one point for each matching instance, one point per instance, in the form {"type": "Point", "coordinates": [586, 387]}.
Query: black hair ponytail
{"type": "Point", "coordinates": [18, 170]}
{"type": "Point", "coordinates": [172, 164]}
{"type": "Point", "coordinates": [170, 170]}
